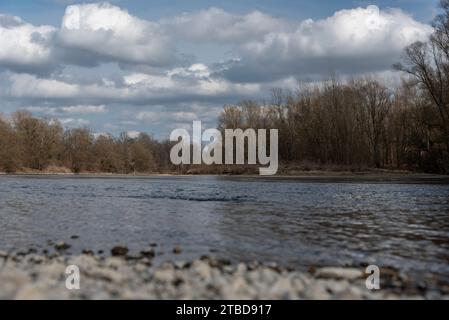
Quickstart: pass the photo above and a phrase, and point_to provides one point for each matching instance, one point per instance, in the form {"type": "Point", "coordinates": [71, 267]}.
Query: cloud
{"type": "Point", "coordinates": [164, 118]}
{"type": "Point", "coordinates": [74, 122]}
{"type": "Point", "coordinates": [104, 32]}
{"type": "Point", "coordinates": [175, 85]}
{"type": "Point", "coordinates": [90, 34]}
{"type": "Point", "coordinates": [133, 134]}
{"type": "Point", "coordinates": [24, 47]}
{"type": "Point", "coordinates": [29, 86]}
{"type": "Point", "coordinates": [351, 41]}
{"type": "Point", "coordinates": [165, 115]}
{"type": "Point", "coordinates": [79, 110]}
{"type": "Point", "coordinates": [216, 25]}
{"type": "Point", "coordinates": [264, 48]}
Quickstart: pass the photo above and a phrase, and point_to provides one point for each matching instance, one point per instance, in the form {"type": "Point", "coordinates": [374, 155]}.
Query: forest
{"type": "Point", "coordinates": [354, 124]}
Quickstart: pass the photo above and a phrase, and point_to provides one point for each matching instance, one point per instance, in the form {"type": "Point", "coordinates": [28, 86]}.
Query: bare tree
{"type": "Point", "coordinates": [375, 104]}
{"type": "Point", "coordinates": [428, 63]}
{"type": "Point", "coordinates": [78, 148]}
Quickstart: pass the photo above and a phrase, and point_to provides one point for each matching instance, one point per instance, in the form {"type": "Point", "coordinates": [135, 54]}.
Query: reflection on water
{"type": "Point", "coordinates": [291, 222]}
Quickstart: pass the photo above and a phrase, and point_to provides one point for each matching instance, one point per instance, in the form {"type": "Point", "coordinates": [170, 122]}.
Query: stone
{"type": "Point", "coordinates": [202, 269]}
{"type": "Point", "coordinates": [54, 271]}
{"type": "Point", "coordinates": [30, 292]}
{"type": "Point", "coordinates": [104, 274]}
{"type": "Point", "coordinates": [339, 273]}
{"type": "Point", "coordinates": [177, 250]}
{"type": "Point", "coordinates": [149, 253]}
{"type": "Point", "coordinates": [281, 289]}
{"type": "Point", "coordinates": [61, 245]}
{"type": "Point", "coordinates": [316, 291]}
{"type": "Point", "coordinates": [140, 267]}
{"type": "Point", "coordinates": [11, 281]}
{"type": "Point", "coordinates": [119, 251]}
{"type": "Point", "coordinates": [134, 257]}
{"type": "Point", "coordinates": [164, 275]}
{"type": "Point", "coordinates": [114, 262]}
{"type": "Point", "coordinates": [146, 261]}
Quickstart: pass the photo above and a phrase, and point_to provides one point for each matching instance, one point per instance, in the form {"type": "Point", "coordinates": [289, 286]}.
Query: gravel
{"type": "Point", "coordinates": [34, 276]}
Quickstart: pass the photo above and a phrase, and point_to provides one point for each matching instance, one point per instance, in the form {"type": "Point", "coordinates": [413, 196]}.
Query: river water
{"type": "Point", "coordinates": [294, 223]}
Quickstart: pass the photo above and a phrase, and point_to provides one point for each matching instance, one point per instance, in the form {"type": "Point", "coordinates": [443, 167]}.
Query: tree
{"type": "Point", "coordinates": [375, 104]}
{"type": "Point", "coordinates": [105, 150]}
{"type": "Point", "coordinates": [9, 148]}
{"type": "Point", "coordinates": [78, 147]}
{"type": "Point", "coordinates": [39, 140]}
{"type": "Point", "coordinates": [428, 63]}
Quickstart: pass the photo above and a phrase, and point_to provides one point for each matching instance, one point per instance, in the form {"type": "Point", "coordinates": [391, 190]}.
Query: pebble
{"type": "Point", "coordinates": [177, 250]}
{"type": "Point", "coordinates": [133, 257]}
{"type": "Point", "coordinates": [119, 251]}
{"type": "Point", "coordinates": [62, 245]}
{"type": "Point", "coordinates": [29, 292]}
{"type": "Point", "coordinates": [202, 269]}
{"type": "Point", "coordinates": [339, 273]}
{"type": "Point", "coordinates": [146, 261]}
{"type": "Point", "coordinates": [149, 252]}
{"type": "Point", "coordinates": [166, 275]}
{"type": "Point", "coordinates": [43, 277]}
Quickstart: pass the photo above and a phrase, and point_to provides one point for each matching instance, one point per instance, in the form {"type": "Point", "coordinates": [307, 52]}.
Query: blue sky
{"type": "Point", "coordinates": [152, 66]}
{"type": "Point", "coordinates": [50, 11]}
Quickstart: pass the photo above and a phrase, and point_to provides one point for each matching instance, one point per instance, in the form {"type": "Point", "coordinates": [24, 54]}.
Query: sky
{"type": "Point", "coordinates": [153, 66]}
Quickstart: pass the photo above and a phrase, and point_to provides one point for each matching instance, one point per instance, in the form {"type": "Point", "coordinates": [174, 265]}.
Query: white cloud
{"type": "Point", "coordinates": [148, 116]}
{"type": "Point", "coordinates": [165, 115]}
{"type": "Point", "coordinates": [29, 86]}
{"type": "Point", "coordinates": [79, 109]}
{"type": "Point", "coordinates": [74, 122]}
{"type": "Point", "coordinates": [82, 109]}
{"type": "Point", "coordinates": [356, 40]}
{"type": "Point", "coordinates": [197, 71]}
{"type": "Point", "coordinates": [156, 82]}
{"type": "Point", "coordinates": [347, 33]}
{"type": "Point", "coordinates": [101, 134]}
{"type": "Point", "coordinates": [107, 32]}
{"type": "Point", "coordinates": [133, 134]}
{"type": "Point", "coordinates": [352, 41]}
{"type": "Point", "coordinates": [217, 25]}
{"type": "Point", "coordinates": [184, 84]}
{"type": "Point", "coordinates": [24, 46]}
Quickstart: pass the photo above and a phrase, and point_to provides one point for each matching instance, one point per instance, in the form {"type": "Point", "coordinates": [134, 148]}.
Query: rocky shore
{"type": "Point", "coordinates": [29, 275]}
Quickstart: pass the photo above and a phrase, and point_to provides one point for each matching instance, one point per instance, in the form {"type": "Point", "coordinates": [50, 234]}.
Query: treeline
{"type": "Point", "coordinates": [357, 124]}
{"type": "Point", "coordinates": [27, 142]}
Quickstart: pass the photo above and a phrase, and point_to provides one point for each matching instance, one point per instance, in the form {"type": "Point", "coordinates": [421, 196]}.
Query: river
{"type": "Point", "coordinates": [291, 222]}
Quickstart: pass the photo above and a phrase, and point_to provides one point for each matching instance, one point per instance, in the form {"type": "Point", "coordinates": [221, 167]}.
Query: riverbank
{"type": "Point", "coordinates": [122, 276]}
{"type": "Point", "coordinates": [377, 176]}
